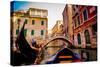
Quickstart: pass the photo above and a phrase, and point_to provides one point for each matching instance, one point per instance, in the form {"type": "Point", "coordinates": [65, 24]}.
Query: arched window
{"type": "Point", "coordinates": [85, 15]}
{"type": "Point", "coordinates": [87, 37]}
{"type": "Point", "coordinates": [79, 39]}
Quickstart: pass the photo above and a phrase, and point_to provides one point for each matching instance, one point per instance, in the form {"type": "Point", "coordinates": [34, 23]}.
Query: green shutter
{"type": "Point", "coordinates": [25, 32]}
{"type": "Point", "coordinates": [17, 31]}
{"type": "Point", "coordinates": [32, 32]}
{"type": "Point", "coordinates": [42, 32]}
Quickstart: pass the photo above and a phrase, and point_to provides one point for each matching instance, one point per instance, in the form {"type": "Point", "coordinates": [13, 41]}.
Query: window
{"type": "Point", "coordinates": [87, 37]}
{"type": "Point", "coordinates": [75, 23]}
{"type": "Point", "coordinates": [67, 29]}
{"type": "Point", "coordinates": [73, 8]}
{"type": "Point", "coordinates": [94, 29]}
{"type": "Point", "coordinates": [18, 21]}
{"type": "Point", "coordinates": [79, 39]}
{"type": "Point", "coordinates": [33, 22]}
{"type": "Point", "coordinates": [26, 21]}
{"type": "Point", "coordinates": [32, 32]}
{"type": "Point", "coordinates": [17, 31]}
{"type": "Point", "coordinates": [42, 22]}
{"type": "Point", "coordinates": [77, 6]}
{"type": "Point", "coordinates": [85, 15]}
{"type": "Point", "coordinates": [78, 19]}
{"type": "Point", "coordinates": [25, 32]}
{"type": "Point", "coordinates": [73, 39]}
{"type": "Point", "coordinates": [42, 32]}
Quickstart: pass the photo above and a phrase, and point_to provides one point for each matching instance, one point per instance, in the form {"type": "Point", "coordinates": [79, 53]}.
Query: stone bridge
{"type": "Point", "coordinates": [63, 38]}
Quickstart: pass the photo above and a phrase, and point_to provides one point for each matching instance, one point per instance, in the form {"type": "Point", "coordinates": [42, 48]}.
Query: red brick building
{"type": "Point", "coordinates": [80, 27]}
{"type": "Point", "coordinates": [85, 26]}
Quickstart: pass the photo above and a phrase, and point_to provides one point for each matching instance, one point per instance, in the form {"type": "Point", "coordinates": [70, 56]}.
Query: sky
{"type": "Point", "coordinates": [54, 10]}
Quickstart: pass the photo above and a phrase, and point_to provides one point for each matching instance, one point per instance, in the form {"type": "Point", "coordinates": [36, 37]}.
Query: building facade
{"type": "Point", "coordinates": [81, 29]}
{"type": "Point", "coordinates": [57, 29]}
{"type": "Point", "coordinates": [67, 23]}
{"type": "Point", "coordinates": [36, 24]}
{"type": "Point", "coordinates": [80, 25]}
{"type": "Point", "coordinates": [85, 26]}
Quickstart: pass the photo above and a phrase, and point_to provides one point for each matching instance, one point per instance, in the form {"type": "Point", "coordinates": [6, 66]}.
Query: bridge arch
{"type": "Point", "coordinates": [59, 38]}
